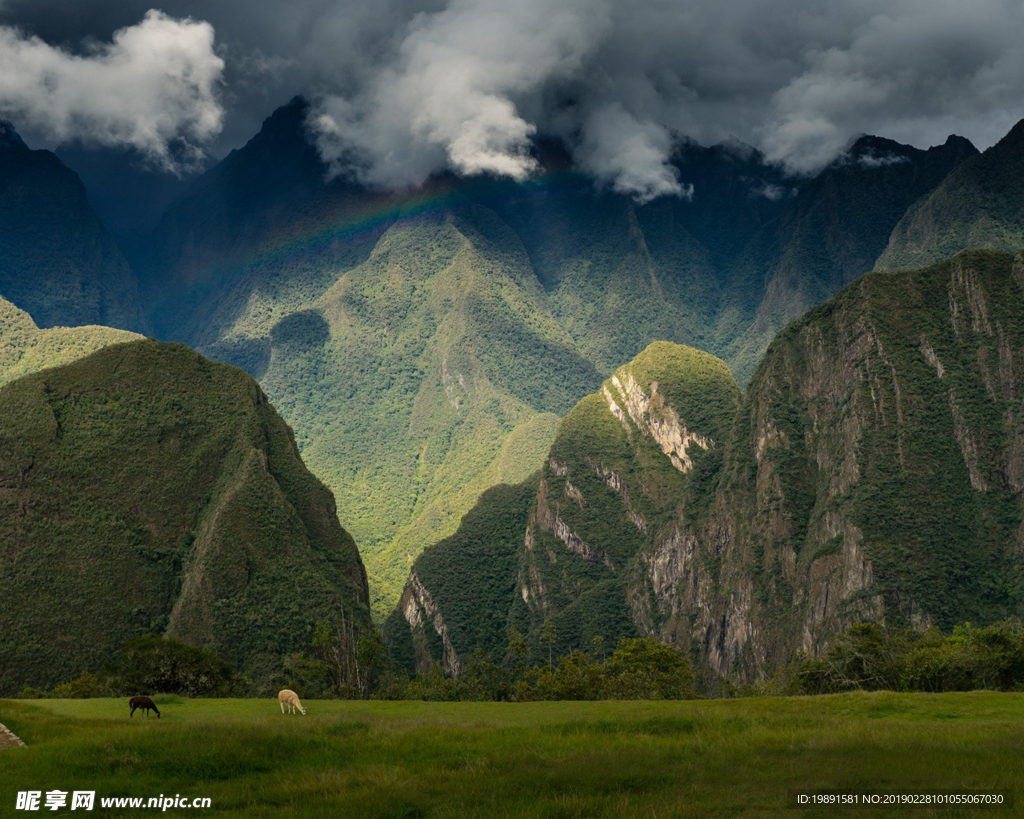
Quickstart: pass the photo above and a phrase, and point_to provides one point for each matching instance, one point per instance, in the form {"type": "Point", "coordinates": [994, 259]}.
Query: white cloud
{"type": "Point", "coordinates": [453, 89]}
{"type": "Point", "coordinates": [154, 88]}
{"type": "Point", "coordinates": [630, 155]}
{"type": "Point", "coordinates": [915, 70]}
{"type": "Point", "coordinates": [468, 85]}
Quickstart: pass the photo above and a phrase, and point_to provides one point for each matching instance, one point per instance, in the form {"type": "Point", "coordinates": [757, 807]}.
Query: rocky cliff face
{"type": "Point", "coordinates": [631, 466]}
{"type": "Point", "coordinates": [874, 472]}
{"type": "Point", "coordinates": [458, 594]}
{"type": "Point", "coordinates": [627, 478]}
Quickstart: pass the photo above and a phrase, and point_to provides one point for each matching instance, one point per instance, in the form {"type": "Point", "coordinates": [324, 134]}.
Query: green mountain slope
{"type": "Point", "coordinates": [260, 236]}
{"type": "Point", "coordinates": [24, 348]}
{"type": "Point", "coordinates": [57, 261]}
{"type": "Point", "coordinates": [980, 205]}
{"type": "Point", "coordinates": [421, 378]}
{"type": "Point", "coordinates": [621, 275]}
{"type": "Point", "coordinates": [411, 338]}
{"type": "Point", "coordinates": [828, 234]}
{"type": "Point", "coordinates": [147, 490]}
{"type": "Point", "coordinates": [457, 596]}
{"type": "Point", "coordinates": [422, 345]}
{"type": "Point", "coordinates": [628, 462]}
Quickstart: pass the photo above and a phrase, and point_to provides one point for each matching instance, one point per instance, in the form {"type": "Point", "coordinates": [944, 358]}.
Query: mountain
{"type": "Point", "coordinates": [873, 470]}
{"type": "Point", "coordinates": [422, 377]}
{"type": "Point", "coordinates": [980, 205]}
{"type": "Point", "coordinates": [57, 261]}
{"type": "Point", "coordinates": [423, 344]}
{"type": "Point", "coordinates": [413, 338]}
{"type": "Point", "coordinates": [620, 275]}
{"type": "Point", "coordinates": [24, 348]}
{"type": "Point", "coordinates": [128, 194]}
{"type": "Point", "coordinates": [147, 490]}
{"type": "Point", "coordinates": [257, 237]}
{"type": "Point", "coordinates": [627, 464]}
{"type": "Point", "coordinates": [458, 595]}
{"type": "Point", "coordinates": [829, 233]}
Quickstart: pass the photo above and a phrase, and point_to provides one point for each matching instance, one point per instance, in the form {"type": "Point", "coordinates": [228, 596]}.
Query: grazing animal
{"type": "Point", "coordinates": [291, 699]}
{"type": "Point", "coordinates": [143, 703]}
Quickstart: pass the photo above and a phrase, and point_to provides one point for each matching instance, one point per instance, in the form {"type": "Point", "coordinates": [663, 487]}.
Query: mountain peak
{"type": "Point", "coordinates": [9, 137]}
{"type": "Point", "coordinates": [293, 111]}
{"type": "Point", "coordinates": [957, 141]}
{"type": "Point", "coordinates": [282, 137]}
{"type": "Point", "coordinates": [958, 146]}
{"type": "Point", "coordinates": [875, 150]}
{"type": "Point", "coordinates": [1014, 138]}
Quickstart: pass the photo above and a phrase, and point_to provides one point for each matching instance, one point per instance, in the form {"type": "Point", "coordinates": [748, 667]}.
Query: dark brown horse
{"type": "Point", "coordinates": [144, 703]}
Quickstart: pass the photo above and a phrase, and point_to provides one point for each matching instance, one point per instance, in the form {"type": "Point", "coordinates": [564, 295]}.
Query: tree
{"type": "Point", "coordinates": [348, 656]}
{"type": "Point", "coordinates": [515, 654]}
{"type": "Point", "coordinates": [151, 665]}
{"type": "Point", "coordinates": [576, 677]}
{"type": "Point", "coordinates": [484, 679]}
{"type": "Point", "coordinates": [549, 635]}
{"type": "Point", "coordinates": [865, 657]}
{"type": "Point", "coordinates": [642, 668]}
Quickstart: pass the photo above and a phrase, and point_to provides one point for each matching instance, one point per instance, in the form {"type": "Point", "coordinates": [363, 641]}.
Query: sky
{"type": "Point", "coordinates": [405, 88]}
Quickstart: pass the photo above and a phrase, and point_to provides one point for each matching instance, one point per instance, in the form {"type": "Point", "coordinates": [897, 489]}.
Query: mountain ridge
{"type": "Point", "coordinates": [978, 206]}
{"type": "Point", "coordinates": [267, 264]}
{"type": "Point", "coordinates": [60, 264]}
{"type": "Point", "coordinates": [872, 472]}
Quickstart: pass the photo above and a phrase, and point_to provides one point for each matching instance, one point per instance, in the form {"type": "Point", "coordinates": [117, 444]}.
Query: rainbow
{"type": "Point", "coordinates": [350, 218]}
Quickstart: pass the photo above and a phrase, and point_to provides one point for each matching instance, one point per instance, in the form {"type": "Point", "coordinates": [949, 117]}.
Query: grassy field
{"type": "Point", "coordinates": [564, 759]}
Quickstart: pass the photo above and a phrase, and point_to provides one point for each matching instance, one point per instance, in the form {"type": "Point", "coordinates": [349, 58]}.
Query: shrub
{"type": "Point", "coordinates": [865, 657]}
{"type": "Point", "coordinates": [169, 666]}
{"type": "Point", "coordinates": [575, 677]}
{"type": "Point", "coordinates": [644, 669]}
{"type": "Point", "coordinates": [870, 658]}
{"type": "Point", "coordinates": [85, 687]}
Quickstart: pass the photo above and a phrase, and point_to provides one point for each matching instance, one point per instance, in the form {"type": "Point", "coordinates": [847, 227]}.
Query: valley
{"type": "Point", "coordinates": [542, 401]}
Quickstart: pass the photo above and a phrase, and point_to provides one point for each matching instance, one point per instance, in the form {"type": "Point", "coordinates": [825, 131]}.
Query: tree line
{"type": "Point", "coordinates": [866, 657]}
{"type": "Point", "coordinates": [870, 657]}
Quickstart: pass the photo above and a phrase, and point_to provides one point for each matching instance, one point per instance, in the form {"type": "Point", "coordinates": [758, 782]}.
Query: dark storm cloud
{"type": "Point", "coordinates": [405, 87]}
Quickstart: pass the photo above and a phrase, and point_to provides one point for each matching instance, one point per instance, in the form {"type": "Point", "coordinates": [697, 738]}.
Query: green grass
{"type": "Point", "coordinates": [704, 758]}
